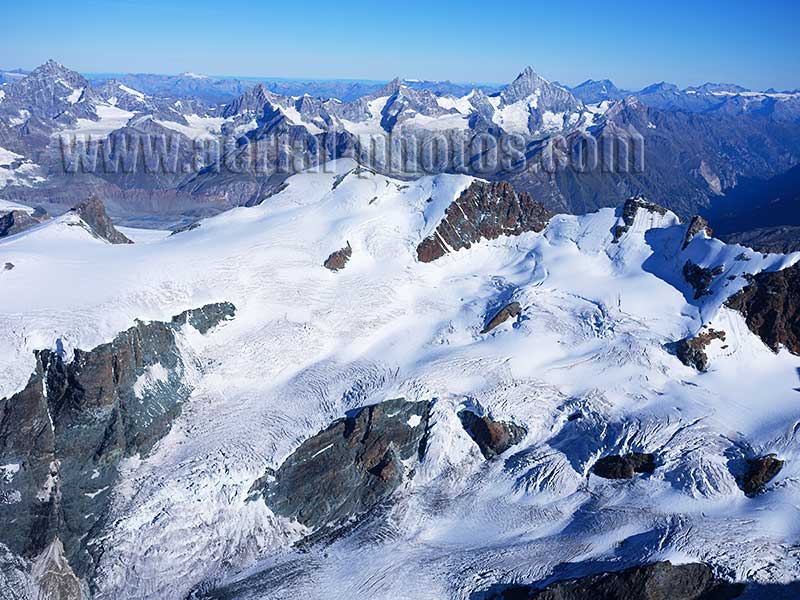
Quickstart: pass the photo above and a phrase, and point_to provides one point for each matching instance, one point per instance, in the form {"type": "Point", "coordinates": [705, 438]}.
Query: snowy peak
{"type": "Point", "coordinates": [50, 90]}
{"type": "Point", "coordinates": [533, 106]}
{"type": "Point", "coordinates": [529, 83]}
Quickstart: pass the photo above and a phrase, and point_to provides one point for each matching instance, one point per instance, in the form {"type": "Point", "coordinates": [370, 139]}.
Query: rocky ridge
{"type": "Point", "coordinates": [483, 211]}
{"type": "Point", "coordinates": [63, 436]}
{"type": "Point", "coordinates": [770, 304]}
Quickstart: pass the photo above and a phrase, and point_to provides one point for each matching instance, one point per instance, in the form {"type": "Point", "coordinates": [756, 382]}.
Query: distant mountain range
{"type": "Point", "coordinates": [216, 88]}
{"type": "Point", "coordinates": [693, 143]}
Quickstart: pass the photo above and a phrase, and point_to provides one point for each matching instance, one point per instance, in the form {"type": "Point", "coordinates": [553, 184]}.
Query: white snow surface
{"type": "Point", "coordinates": [371, 125]}
{"type": "Point", "coordinates": [131, 91]}
{"type": "Point", "coordinates": [15, 169]}
{"type": "Point", "coordinates": [462, 104]}
{"type": "Point", "coordinates": [307, 345]}
{"type": "Point", "coordinates": [110, 117]}
{"type": "Point", "coordinates": [75, 95]}
{"type": "Point", "coordinates": [8, 206]}
{"type": "Point", "coordinates": [199, 128]}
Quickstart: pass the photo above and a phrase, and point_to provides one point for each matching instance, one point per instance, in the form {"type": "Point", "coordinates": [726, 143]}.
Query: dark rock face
{"type": "Point", "coordinates": [508, 311]}
{"type": "Point", "coordinates": [629, 212]}
{"type": "Point", "coordinates": [657, 581]}
{"type": "Point", "coordinates": [17, 221]}
{"type": "Point", "coordinates": [350, 467]}
{"type": "Point", "coordinates": [337, 260]}
{"type": "Point", "coordinates": [68, 429]}
{"type": "Point", "coordinates": [483, 211]}
{"type": "Point", "coordinates": [206, 317]}
{"type": "Point", "coordinates": [770, 304]}
{"type": "Point", "coordinates": [696, 225]}
{"type": "Point", "coordinates": [189, 227]}
{"type": "Point", "coordinates": [700, 278]}
{"type": "Point", "coordinates": [624, 466]}
{"type": "Point", "coordinates": [760, 471]}
{"type": "Point", "coordinates": [93, 213]}
{"type": "Point", "coordinates": [493, 437]}
{"type": "Point", "coordinates": [691, 351]}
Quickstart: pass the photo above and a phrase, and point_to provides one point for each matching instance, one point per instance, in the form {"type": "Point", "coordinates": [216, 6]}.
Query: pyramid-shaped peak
{"type": "Point", "coordinates": [50, 67]}
{"type": "Point", "coordinates": [529, 83]}
{"type": "Point", "coordinates": [391, 88]}
{"type": "Point", "coordinates": [52, 70]}
{"type": "Point", "coordinates": [528, 74]}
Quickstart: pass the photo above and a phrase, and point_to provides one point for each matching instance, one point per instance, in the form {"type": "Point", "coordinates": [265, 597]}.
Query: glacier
{"type": "Point", "coordinates": [586, 367]}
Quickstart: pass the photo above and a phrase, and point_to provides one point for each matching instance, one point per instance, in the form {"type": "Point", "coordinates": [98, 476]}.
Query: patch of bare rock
{"type": "Point", "coordinates": [338, 259]}
{"type": "Point", "coordinates": [624, 466]}
{"type": "Point", "coordinates": [493, 437]}
{"type": "Point", "coordinates": [485, 210]}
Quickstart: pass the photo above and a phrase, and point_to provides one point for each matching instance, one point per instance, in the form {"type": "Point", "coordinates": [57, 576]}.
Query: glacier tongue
{"type": "Point", "coordinates": [584, 366]}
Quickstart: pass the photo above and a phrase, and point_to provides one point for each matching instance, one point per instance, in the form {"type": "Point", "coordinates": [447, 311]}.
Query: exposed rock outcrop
{"type": "Point", "coordinates": [483, 211]}
{"type": "Point", "coordinates": [510, 310]}
{"type": "Point", "coordinates": [691, 351]}
{"type": "Point", "coordinates": [760, 471]}
{"type": "Point", "coordinates": [696, 225]}
{"type": "Point", "coordinates": [338, 259]}
{"type": "Point", "coordinates": [770, 304]}
{"type": "Point", "coordinates": [656, 581]}
{"type": "Point", "coordinates": [350, 467]}
{"type": "Point", "coordinates": [624, 466]}
{"type": "Point", "coordinates": [629, 211]}
{"type": "Point", "coordinates": [185, 228]}
{"type": "Point", "coordinates": [493, 437]}
{"type": "Point", "coordinates": [93, 213]}
{"type": "Point", "coordinates": [16, 221]}
{"type": "Point", "coordinates": [700, 278]}
{"type": "Point", "coordinates": [64, 434]}
{"type": "Point", "coordinates": [206, 317]}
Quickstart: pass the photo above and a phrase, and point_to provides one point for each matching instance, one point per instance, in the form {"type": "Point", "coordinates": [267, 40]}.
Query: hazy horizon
{"type": "Point", "coordinates": [632, 45]}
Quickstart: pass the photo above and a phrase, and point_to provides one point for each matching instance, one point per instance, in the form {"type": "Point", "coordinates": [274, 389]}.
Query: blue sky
{"type": "Point", "coordinates": [632, 43]}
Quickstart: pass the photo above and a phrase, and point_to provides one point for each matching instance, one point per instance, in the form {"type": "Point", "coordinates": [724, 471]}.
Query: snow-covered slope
{"type": "Point", "coordinates": [586, 368]}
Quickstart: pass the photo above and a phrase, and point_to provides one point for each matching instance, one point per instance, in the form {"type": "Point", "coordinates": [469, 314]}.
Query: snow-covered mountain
{"type": "Point", "coordinates": [165, 159]}
{"type": "Point", "coordinates": [474, 393]}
